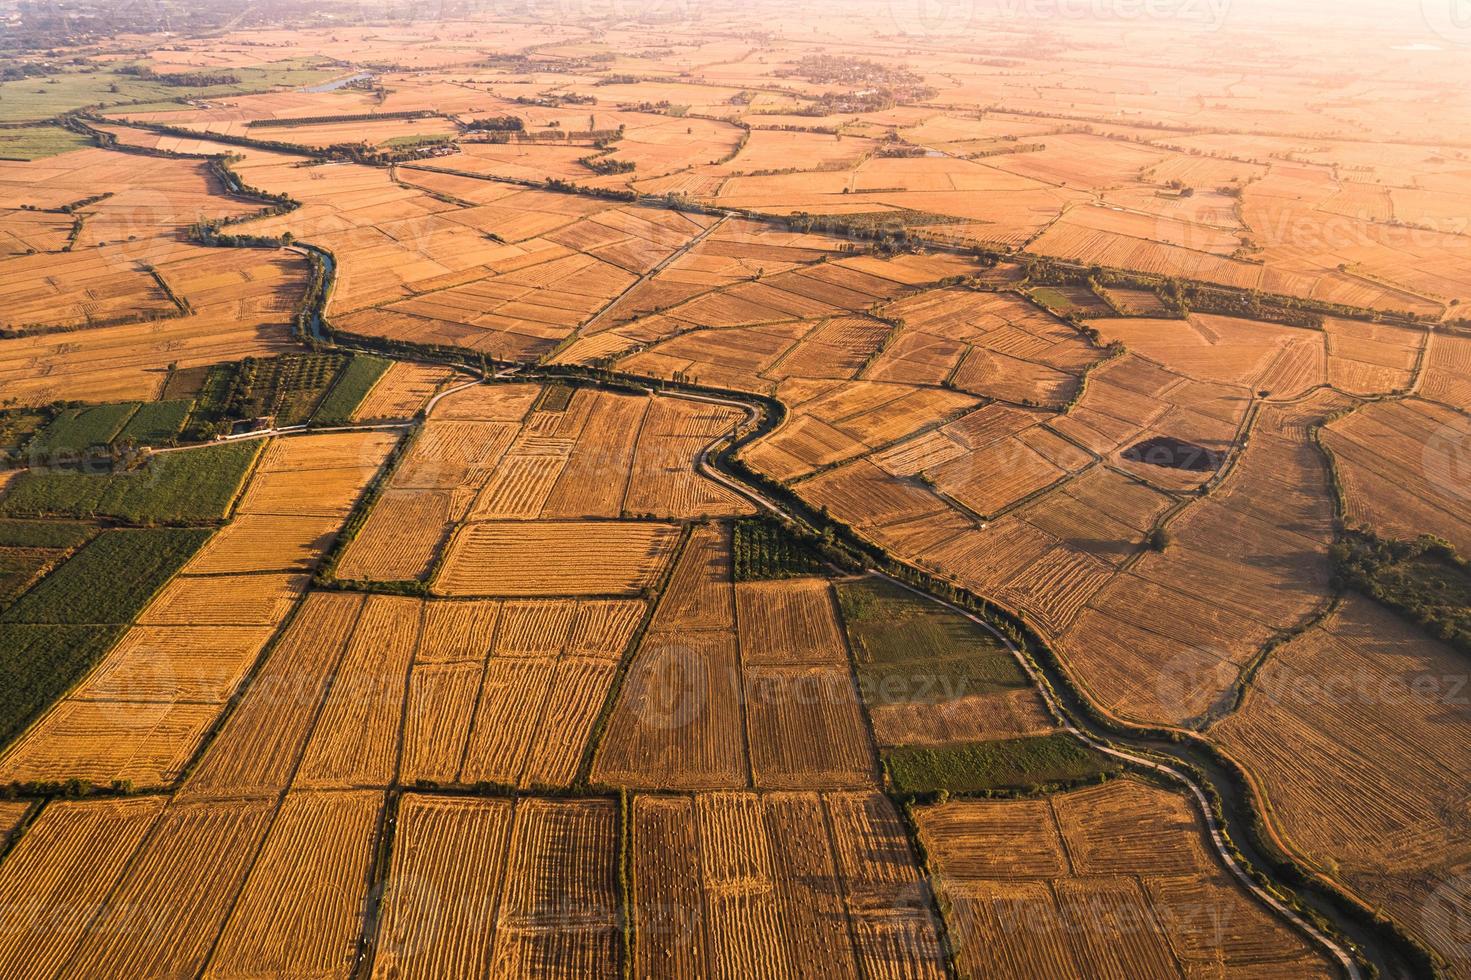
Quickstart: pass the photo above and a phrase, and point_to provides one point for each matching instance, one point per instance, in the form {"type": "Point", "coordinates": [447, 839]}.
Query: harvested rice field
{"type": "Point", "coordinates": [569, 492]}
{"type": "Point", "coordinates": [511, 558]}
{"type": "Point", "coordinates": [1109, 879]}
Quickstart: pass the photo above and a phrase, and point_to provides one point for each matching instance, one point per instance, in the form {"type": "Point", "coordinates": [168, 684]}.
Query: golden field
{"type": "Point", "coordinates": [529, 652]}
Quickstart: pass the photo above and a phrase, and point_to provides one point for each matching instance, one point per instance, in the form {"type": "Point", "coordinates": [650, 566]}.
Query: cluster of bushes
{"type": "Point", "coordinates": [604, 165]}
{"type": "Point", "coordinates": [84, 202]}
{"type": "Point", "coordinates": [287, 388]}
{"type": "Point", "coordinates": [832, 69]}
{"type": "Point", "coordinates": [1248, 304]}
{"type": "Point", "coordinates": [901, 150]}
{"type": "Point", "coordinates": [499, 124]}
{"type": "Point", "coordinates": [740, 144]}
{"type": "Point", "coordinates": [309, 312]}
{"type": "Point", "coordinates": [1000, 151]}
{"type": "Point", "coordinates": [281, 202]}
{"type": "Point", "coordinates": [1424, 580]}
{"type": "Point", "coordinates": [607, 193]}
{"type": "Point", "coordinates": [13, 71]}
{"type": "Point", "coordinates": [1184, 296]}
{"type": "Point", "coordinates": [889, 231]}
{"type": "Point", "coordinates": [553, 100]}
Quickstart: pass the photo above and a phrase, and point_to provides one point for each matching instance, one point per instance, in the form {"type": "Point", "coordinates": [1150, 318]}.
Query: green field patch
{"type": "Point", "coordinates": [422, 139]}
{"type": "Point", "coordinates": [191, 486]}
{"type": "Point", "coordinates": [110, 580]}
{"type": "Point", "coordinates": [38, 664]}
{"type": "Point", "coordinates": [184, 383]}
{"type": "Point", "coordinates": [909, 649]}
{"type": "Point", "coordinates": [21, 567]}
{"type": "Point", "coordinates": [156, 423]}
{"type": "Point", "coordinates": [61, 535]}
{"type": "Point", "coordinates": [16, 428]}
{"type": "Point", "coordinates": [1052, 299]}
{"type": "Point", "coordinates": [763, 548]}
{"type": "Point", "coordinates": [352, 386]}
{"type": "Point", "coordinates": [75, 431]}
{"type": "Point", "coordinates": [1008, 764]}
{"type": "Point", "coordinates": [44, 96]}
{"type": "Point", "coordinates": [554, 398]}
{"type": "Point", "coordinates": [39, 142]}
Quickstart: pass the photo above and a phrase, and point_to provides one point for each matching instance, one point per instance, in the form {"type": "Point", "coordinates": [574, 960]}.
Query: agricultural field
{"type": "Point", "coordinates": [295, 916]}
{"type": "Point", "coordinates": [573, 493]}
{"type": "Point", "coordinates": [1396, 463]}
{"type": "Point", "coordinates": [500, 475]}
{"type": "Point", "coordinates": [341, 402]}
{"type": "Point", "coordinates": [931, 677]}
{"type": "Point", "coordinates": [402, 391]}
{"type": "Point", "coordinates": [1114, 879]}
{"type": "Point", "coordinates": [101, 304]}
{"type": "Point", "coordinates": [554, 912]}
{"type": "Point", "coordinates": [766, 879]}
{"type": "Point", "coordinates": [737, 684]}
{"type": "Point", "coordinates": [199, 608]}
{"type": "Point", "coordinates": [1397, 682]}
{"type": "Point", "coordinates": [509, 558]}
{"type": "Point", "coordinates": [197, 485]}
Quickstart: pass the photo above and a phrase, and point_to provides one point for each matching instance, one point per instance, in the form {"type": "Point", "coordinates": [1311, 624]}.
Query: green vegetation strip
{"type": "Point", "coordinates": [190, 487]}
{"type": "Point", "coordinates": [1018, 764]}
{"type": "Point", "coordinates": [110, 580]}
{"type": "Point", "coordinates": [353, 385]}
